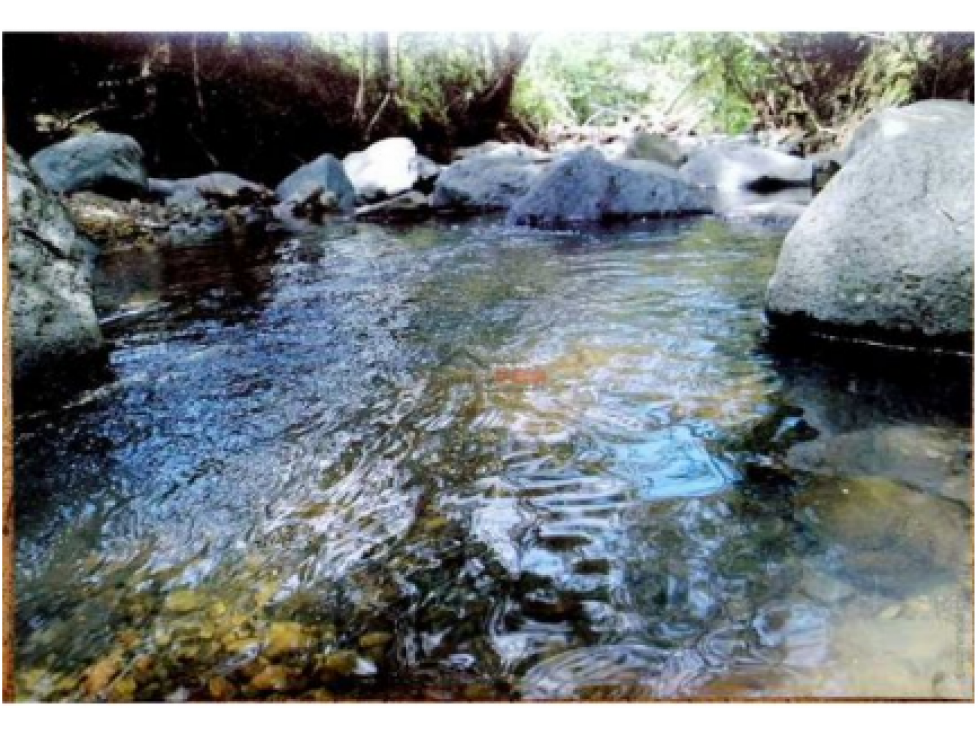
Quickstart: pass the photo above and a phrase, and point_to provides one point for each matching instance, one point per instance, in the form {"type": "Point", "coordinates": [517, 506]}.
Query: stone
{"type": "Point", "coordinates": [932, 459]}
{"type": "Point", "coordinates": [284, 638]}
{"type": "Point", "coordinates": [111, 222]}
{"type": "Point", "coordinates": [183, 601]}
{"type": "Point", "coordinates": [375, 639]}
{"type": "Point", "coordinates": [509, 151]}
{"type": "Point", "coordinates": [411, 206]}
{"type": "Point", "coordinates": [325, 175]}
{"type": "Point", "coordinates": [220, 688]}
{"type": "Point", "coordinates": [775, 214]}
{"type": "Point", "coordinates": [897, 122]}
{"type": "Point", "coordinates": [387, 168]}
{"type": "Point", "coordinates": [427, 171]}
{"type": "Point", "coordinates": [107, 163]}
{"type": "Point", "coordinates": [825, 588]}
{"type": "Point", "coordinates": [887, 537]}
{"type": "Point", "coordinates": [52, 316]}
{"type": "Point", "coordinates": [161, 188]}
{"type": "Point", "coordinates": [826, 165]}
{"type": "Point", "coordinates": [645, 146]}
{"type": "Point", "coordinates": [341, 662]}
{"type": "Point", "coordinates": [733, 166]}
{"type": "Point", "coordinates": [885, 251]}
{"type": "Point", "coordinates": [485, 182]}
{"type": "Point", "coordinates": [101, 673]}
{"type": "Point", "coordinates": [224, 189]}
{"type": "Point", "coordinates": [584, 187]}
{"type": "Point", "coordinates": [271, 678]}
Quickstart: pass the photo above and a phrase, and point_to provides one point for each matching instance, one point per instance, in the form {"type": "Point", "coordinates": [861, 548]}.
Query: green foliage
{"type": "Point", "coordinates": [259, 103]}
{"type": "Point", "coordinates": [581, 78]}
{"type": "Point", "coordinates": [740, 81]}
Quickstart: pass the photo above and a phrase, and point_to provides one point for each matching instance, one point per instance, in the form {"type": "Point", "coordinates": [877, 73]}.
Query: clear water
{"type": "Point", "coordinates": [460, 462]}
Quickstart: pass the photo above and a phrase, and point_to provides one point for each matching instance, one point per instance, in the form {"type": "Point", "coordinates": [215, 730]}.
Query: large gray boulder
{"type": "Point", "coordinates": [52, 317]}
{"type": "Point", "coordinates": [733, 166]}
{"type": "Point", "coordinates": [325, 175]}
{"type": "Point", "coordinates": [886, 249]}
{"type": "Point", "coordinates": [387, 168]}
{"type": "Point", "coordinates": [106, 163]}
{"type": "Point", "coordinates": [486, 182]}
{"type": "Point", "coordinates": [894, 122]}
{"type": "Point", "coordinates": [586, 187]}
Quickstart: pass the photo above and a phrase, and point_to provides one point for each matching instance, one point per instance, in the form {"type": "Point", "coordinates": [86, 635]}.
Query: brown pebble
{"type": "Point", "coordinates": [220, 688]}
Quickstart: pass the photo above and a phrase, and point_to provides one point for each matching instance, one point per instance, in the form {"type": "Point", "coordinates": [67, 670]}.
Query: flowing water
{"type": "Point", "coordinates": [465, 462]}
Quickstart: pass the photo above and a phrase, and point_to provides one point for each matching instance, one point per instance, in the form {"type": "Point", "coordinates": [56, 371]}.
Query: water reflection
{"type": "Point", "coordinates": [469, 462]}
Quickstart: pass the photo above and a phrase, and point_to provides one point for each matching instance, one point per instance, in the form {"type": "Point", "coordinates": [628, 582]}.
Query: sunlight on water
{"type": "Point", "coordinates": [463, 462]}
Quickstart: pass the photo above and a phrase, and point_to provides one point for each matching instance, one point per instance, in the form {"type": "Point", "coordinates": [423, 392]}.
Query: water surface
{"type": "Point", "coordinates": [464, 462]}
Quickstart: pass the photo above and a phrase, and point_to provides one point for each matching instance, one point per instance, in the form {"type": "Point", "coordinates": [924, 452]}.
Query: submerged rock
{"type": "Point", "coordinates": [100, 674]}
{"type": "Point", "coordinates": [184, 600]}
{"type": "Point", "coordinates": [935, 460]}
{"type": "Point", "coordinates": [733, 166]}
{"type": "Point", "coordinates": [341, 662]}
{"type": "Point", "coordinates": [886, 250]}
{"type": "Point", "coordinates": [585, 187]}
{"type": "Point", "coordinates": [107, 163]}
{"type": "Point", "coordinates": [220, 688]}
{"type": "Point", "coordinates": [52, 317]}
{"type": "Point", "coordinates": [324, 176]}
{"type": "Point", "coordinates": [375, 639]}
{"type": "Point", "coordinates": [271, 678]}
{"type": "Point", "coordinates": [284, 638]}
{"type": "Point", "coordinates": [884, 535]}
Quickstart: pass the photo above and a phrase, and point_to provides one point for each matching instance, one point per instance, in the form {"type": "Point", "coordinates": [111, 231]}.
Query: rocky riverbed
{"type": "Point", "coordinates": [542, 445]}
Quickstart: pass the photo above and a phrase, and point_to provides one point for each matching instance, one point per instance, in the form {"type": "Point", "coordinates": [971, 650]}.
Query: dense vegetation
{"type": "Point", "coordinates": [260, 103]}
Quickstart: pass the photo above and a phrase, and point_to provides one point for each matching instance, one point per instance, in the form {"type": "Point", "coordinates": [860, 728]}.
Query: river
{"type": "Point", "coordinates": [456, 461]}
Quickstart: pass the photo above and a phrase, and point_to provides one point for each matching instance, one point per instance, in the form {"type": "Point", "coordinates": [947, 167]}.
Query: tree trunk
{"type": "Point", "coordinates": [491, 105]}
{"type": "Point", "coordinates": [361, 98]}
{"type": "Point", "coordinates": [197, 77]}
{"type": "Point", "coordinates": [386, 52]}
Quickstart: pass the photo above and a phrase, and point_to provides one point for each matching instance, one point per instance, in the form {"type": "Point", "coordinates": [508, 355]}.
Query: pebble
{"type": "Point", "coordinates": [272, 678]}
{"type": "Point", "coordinates": [284, 637]}
{"type": "Point", "coordinates": [100, 674]}
{"type": "Point", "coordinates": [220, 688]}
{"type": "Point", "coordinates": [342, 662]}
{"type": "Point", "coordinates": [123, 690]}
{"type": "Point", "coordinates": [375, 639]}
{"type": "Point", "coordinates": [183, 601]}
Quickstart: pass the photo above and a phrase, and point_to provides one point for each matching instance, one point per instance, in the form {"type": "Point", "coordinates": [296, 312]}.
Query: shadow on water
{"type": "Point", "coordinates": [469, 462]}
